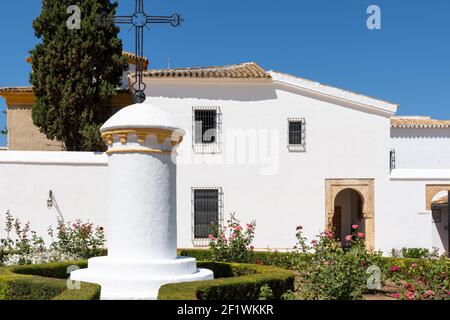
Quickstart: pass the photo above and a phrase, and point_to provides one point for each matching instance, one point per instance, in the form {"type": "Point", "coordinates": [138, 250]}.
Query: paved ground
{"type": "Point", "coordinates": [384, 294]}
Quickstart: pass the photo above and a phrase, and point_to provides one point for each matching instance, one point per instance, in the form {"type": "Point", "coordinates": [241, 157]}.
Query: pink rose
{"type": "Point", "coordinates": [410, 295]}
{"type": "Point", "coordinates": [249, 226]}
{"type": "Point", "coordinates": [395, 268]}
{"type": "Point", "coordinates": [396, 295]}
{"type": "Point", "coordinates": [314, 243]}
{"type": "Point", "coordinates": [361, 235]}
{"type": "Point", "coordinates": [328, 234]}
{"type": "Point", "coordinates": [349, 237]}
{"type": "Point", "coordinates": [238, 228]}
{"type": "Point", "coordinates": [355, 226]}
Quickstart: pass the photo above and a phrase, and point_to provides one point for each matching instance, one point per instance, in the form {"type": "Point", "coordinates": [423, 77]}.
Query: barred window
{"type": "Point", "coordinates": [392, 161]}
{"type": "Point", "coordinates": [207, 123]}
{"type": "Point", "coordinates": [296, 134]}
{"type": "Point", "coordinates": [206, 126]}
{"type": "Point", "coordinates": [207, 209]}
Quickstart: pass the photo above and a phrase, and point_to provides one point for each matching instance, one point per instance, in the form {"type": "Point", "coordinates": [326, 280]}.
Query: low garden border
{"type": "Point", "coordinates": [44, 282]}
{"type": "Point", "coordinates": [233, 281]}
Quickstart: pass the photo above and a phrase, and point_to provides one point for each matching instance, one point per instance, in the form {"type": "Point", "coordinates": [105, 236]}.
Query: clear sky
{"type": "Point", "coordinates": [406, 62]}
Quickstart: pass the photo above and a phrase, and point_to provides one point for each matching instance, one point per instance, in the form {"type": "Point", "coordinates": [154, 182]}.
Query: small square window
{"type": "Point", "coordinates": [296, 134]}
{"type": "Point", "coordinates": [207, 124]}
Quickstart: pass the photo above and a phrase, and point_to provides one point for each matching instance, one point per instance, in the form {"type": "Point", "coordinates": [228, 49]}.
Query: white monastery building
{"type": "Point", "coordinates": [271, 147]}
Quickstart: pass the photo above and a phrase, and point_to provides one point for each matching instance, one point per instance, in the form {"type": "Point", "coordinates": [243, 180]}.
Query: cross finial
{"type": "Point", "coordinates": [139, 19]}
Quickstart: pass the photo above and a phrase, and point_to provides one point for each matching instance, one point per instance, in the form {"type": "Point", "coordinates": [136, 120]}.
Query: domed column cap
{"type": "Point", "coordinates": [149, 128]}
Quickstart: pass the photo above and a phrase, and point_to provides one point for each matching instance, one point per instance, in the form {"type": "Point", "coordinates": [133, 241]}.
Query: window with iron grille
{"type": "Point", "coordinates": [392, 159]}
{"type": "Point", "coordinates": [207, 125]}
{"type": "Point", "coordinates": [296, 134]}
{"type": "Point", "coordinates": [207, 207]}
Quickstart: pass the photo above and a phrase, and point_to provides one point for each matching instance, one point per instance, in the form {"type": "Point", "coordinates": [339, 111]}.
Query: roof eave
{"type": "Point", "coordinates": [316, 88]}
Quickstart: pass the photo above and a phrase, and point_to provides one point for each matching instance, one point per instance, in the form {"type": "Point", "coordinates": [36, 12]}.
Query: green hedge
{"type": "Point", "coordinates": [43, 282]}
{"type": "Point", "coordinates": [274, 258]}
{"type": "Point", "coordinates": [232, 281]}
{"type": "Point", "coordinates": [50, 270]}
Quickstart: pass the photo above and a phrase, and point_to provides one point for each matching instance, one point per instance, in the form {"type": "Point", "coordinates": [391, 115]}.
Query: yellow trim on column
{"type": "Point", "coordinates": [161, 135]}
{"type": "Point", "coordinates": [123, 137]}
{"type": "Point", "coordinates": [109, 139]}
{"type": "Point", "coordinates": [141, 137]}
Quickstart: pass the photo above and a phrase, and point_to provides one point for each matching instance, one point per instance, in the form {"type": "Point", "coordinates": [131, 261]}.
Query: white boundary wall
{"type": "Point", "coordinates": [78, 181]}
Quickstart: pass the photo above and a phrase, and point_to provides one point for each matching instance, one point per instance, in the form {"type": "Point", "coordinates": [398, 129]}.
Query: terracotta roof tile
{"type": "Point", "coordinates": [29, 89]}
{"type": "Point", "coordinates": [248, 70]}
{"type": "Point", "coordinates": [133, 56]}
{"type": "Point", "coordinates": [17, 89]}
{"type": "Point", "coordinates": [418, 122]}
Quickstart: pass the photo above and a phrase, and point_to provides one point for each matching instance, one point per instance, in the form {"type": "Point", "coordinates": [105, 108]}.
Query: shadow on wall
{"type": "Point", "coordinates": [243, 91]}
{"type": "Point", "coordinates": [420, 133]}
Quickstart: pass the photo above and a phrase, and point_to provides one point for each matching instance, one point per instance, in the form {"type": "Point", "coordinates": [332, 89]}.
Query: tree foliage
{"type": "Point", "coordinates": [75, 72]}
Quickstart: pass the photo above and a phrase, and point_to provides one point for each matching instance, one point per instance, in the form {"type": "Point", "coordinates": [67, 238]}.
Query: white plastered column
{"type": "Point", "coordinates": [142, 235]}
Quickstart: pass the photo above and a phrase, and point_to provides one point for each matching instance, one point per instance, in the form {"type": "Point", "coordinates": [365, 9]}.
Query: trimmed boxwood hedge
{"type": "Point", "coordinates": [43, 282]}
{"type": "Point", "coordinates": [274, 258]}
{"type": "Point", "coordinates": [233, 281]}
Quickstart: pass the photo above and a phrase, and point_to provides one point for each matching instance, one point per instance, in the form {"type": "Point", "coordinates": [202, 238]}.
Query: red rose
{"type": "Point", "coordinates": [395, 268]}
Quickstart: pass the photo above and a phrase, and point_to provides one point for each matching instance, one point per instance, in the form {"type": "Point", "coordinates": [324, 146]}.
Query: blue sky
{"type": "Point", "coordinates": [406, 62]}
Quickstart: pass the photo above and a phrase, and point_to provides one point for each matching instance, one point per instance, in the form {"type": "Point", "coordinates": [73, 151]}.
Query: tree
{"type": "Point", "coordinates": [75, 72]}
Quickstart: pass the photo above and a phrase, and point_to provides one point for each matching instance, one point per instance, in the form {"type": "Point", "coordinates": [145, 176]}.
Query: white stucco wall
{"type": "Point", "coordinates": [421, 148]}
{"type": "Point", "coordinates": [422, 157]}
{"type": "Point", "coordinates": [280, 189]}
{"type": "Point", "coordinates": [78, 182]}
{"type": "Point", "coordinates": [259, 177]}
{"type": "Point", "coordinates": [405, 220]}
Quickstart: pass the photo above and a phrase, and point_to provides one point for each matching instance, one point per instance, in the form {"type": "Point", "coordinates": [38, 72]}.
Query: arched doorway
{"type": "Point", "coordinates": [440, 218]}
{"type": "Point", "coordinates": [365, 189]}
{"type": "Point", "coordinates": [348, 211]}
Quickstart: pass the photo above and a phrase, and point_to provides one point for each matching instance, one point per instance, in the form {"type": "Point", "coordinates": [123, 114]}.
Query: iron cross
{"type": "Point", "coordinates": [139, 20]}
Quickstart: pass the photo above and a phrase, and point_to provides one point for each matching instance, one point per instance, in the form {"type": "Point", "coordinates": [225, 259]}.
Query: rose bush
{"type": "Point", "coordinates": [426, 279]}
{"type": "Point", "coordinates": [232, 243]}
{"type": "Point", "coordinates": [72, 241]}
{"type": "Point", "coordinates": [333, 272]}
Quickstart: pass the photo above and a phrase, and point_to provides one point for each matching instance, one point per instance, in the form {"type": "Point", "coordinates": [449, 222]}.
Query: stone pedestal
{"type": "Point", "coordinates": [142, 234]}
